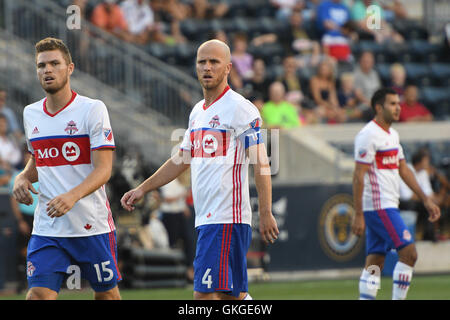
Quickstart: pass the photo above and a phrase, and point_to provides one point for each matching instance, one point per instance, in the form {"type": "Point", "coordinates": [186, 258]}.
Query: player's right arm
{"type": "Point", "coordinates": [171, 169]}
{"type": "Point", "coordinates": [358, 189]}
{"type": "Point", "coordinates": [23, 183]}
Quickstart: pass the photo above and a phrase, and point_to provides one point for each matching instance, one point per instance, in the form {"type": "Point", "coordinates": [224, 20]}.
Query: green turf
{"type": "Point", "coordinates": [422, 287]}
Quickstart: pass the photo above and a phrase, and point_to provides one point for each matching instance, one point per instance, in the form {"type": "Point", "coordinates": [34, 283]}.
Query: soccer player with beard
{"type": "Point", "coordinates": [222, 138]}
{"type": "Point", "coordinates": [71, 142]}
{"type": "Point", "coordinates": [379, 165]}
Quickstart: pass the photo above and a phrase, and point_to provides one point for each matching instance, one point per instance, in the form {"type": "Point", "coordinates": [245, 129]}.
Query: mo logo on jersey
{"type": "Point", "coordinates": [208, 143]}
{"type": "Point", "coordinates": [58, 151]}
{"type": "Point", "coordinates": [387, 159]}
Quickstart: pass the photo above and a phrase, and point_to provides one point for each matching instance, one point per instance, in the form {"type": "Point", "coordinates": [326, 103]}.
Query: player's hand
{"type": "Point", "coordinates": [358, 225]}
{"type": "Point", "coordinates": [268, 228]}
{"type": "Point", "coordinates": [434, 211]}
{"type": "Point", "coordinates": [130, 198]}
{"type": "Point", "coordinates": [60, 205]}
{"type": "Point", "coordinates": [21, 190]}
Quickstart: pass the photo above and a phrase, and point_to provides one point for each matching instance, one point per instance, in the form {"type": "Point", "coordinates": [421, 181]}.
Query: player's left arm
{"type": "Point", "coordinates": [408, 177]}
{"type": "Point", "coordinates": [102, 160]}
{"type": "Point", "coordinates": [267, 226]}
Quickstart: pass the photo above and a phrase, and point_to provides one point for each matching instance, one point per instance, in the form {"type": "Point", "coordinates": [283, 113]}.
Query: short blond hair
{"type": "Point", "coordinates": [49, 44]}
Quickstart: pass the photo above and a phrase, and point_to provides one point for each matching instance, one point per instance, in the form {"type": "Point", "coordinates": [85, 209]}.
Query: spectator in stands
{"type": "Point", "coordinates": [323, 91]}
{"type": "Point", "coordinates": [348, 98]}
{"type": "Point", "coordinates": [367, 79]}
{"type": "Point", "coordinates": [13, 124]}
{"type": "Point", "coordinates": [380, 33]}
{"type": "Point", "coordinates": [412, 110]}
{"type": "Point", "coordinates": [291, 81]}
{"type": "Point", "coordinates": [241, 59]}
{"type": "Point", "coordinates": [332, 23]}
{"type": "Point", "coordinates": [141, 21]}
{"type": "Point", "coordinates": [10, 154]}
{"type": "Point", "coordinates": [286, 7]}
{"type": "Point", "coordinates": [108, 16]}
{"type": "Point", "coordinates": [203, 9]}
{"type": "Point", "coordinates": [171, 12]}
{"type": "Point", "coordinates": [421, 167]}
{"type": "Point", "coordinates": [398, 79]}
{"type": "Point", "coordinates": [277, 112]}
{"type": "Point", "coordinates": [258, 84]}
{"type": "Point", "coordinates": [296, 39]}
{"type": "Point", "coordinates": [174, 215]}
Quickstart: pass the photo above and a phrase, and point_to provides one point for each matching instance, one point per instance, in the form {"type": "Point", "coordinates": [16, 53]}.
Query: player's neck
{"type": "Point", "coordinates": [58, 100]}
{"type": "Point", "coordinates": [382, 123]}
{"type": "Point", "coordinates": [211, 95]}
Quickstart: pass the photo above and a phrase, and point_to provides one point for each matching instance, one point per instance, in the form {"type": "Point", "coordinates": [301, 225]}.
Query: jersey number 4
{"type": "Point", "coordinates": [207, 278]}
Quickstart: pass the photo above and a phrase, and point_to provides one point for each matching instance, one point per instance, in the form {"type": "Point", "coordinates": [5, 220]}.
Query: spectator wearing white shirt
{"type": "Point", "coordinates": [408, 199]}
{"type": "Point", "coordinates": [175, 213]}
{"type": "Point", "coordinates": [141, 21]}
{"type": "Point", "coordinates": [10, 153]}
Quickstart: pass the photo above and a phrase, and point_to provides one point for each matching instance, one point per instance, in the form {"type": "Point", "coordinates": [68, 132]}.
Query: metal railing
{"type": "Point", "coordinates": [150, 82]}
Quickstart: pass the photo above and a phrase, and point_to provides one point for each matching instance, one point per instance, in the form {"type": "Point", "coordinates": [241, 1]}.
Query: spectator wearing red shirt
{"type": "Point", "coordinates": [412, 110]}
{"type": "Point", "coordinates": [108, 16]}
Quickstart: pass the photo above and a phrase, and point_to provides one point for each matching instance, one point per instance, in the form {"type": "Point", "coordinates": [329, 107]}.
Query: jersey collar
{"type": "Point", "coordinates": [74, 94]}
{"type": "Point", "coordinates": [381, 126]}
{"type": "Point", "coordinates": [220, 96]}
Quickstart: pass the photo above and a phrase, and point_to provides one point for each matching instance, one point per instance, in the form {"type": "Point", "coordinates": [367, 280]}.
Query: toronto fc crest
{"type": "Point", "coordinates": [71, 128]}
{"type": "Point", "coordinates": [214, 123]}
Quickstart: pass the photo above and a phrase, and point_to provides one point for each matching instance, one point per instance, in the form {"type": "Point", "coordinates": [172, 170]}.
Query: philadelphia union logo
{"type": "Point", "coordinates": [335, 229]}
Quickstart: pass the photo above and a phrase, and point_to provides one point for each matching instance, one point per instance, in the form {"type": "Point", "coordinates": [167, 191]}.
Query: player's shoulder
{"type": "Point", "coordinates": [241, 103]}
{"type": "Point", "coordinates": [89, 103]}
{"type": "Point", "coordinates": [368, 131]}
{"type": "Point", "coordinates": [38, 105]}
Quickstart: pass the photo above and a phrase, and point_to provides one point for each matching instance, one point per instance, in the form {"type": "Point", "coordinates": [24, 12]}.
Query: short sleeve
{"type": "Point", "coordinates": [247, 124]}
{"type": "Point", "coordinates": [186, 143]}
{"type": "Point", "coordinates": [364, 148]}
{"type": "Point", "coordinates": [99, 127]}
{"type": "Point", "coordinates": [25, 128]}
{"type": "Point", "coordinates": [401, 155]}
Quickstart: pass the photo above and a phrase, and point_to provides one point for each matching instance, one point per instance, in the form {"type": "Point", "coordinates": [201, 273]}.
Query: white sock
{"type": "Point", "coordinates": [402, 278]}
{"type": "Point", "coordinates": [368, 286]}
{"type": "Point", "coordinates": [248, 297]}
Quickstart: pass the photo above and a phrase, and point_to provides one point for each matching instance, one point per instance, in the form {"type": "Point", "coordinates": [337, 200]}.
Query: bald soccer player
{"type": "Point", "coordinates": [222, 138]}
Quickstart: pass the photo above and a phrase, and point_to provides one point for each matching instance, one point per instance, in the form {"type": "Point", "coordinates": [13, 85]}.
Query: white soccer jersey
{"type": "Point", "coordinates": [62, 145]}
{"type": "Point", "coordinates": [217, 138]}
{"type": "Point", "coordinates": [382, 150]}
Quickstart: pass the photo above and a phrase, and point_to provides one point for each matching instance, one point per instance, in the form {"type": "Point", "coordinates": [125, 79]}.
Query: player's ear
{"type": "Point", "coordinates": [229, 66]}
{"type": "Point", "coordinates": [71, 68]}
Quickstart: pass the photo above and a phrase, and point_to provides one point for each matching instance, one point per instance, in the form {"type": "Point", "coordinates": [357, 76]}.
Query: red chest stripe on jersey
{"type": "Point", "coordinates": [61, 150]}
{"type": "Point", "coordinates": [387, 159]}
{"type": "Point", "coordinates": [209, 143]}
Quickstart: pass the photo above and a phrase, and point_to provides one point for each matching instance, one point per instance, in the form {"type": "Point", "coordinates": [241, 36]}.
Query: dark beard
{"type": "Point", "coordinates": [55, 90]}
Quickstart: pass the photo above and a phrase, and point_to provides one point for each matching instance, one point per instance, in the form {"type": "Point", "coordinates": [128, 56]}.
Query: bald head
{"type": "Point", "coordinates": [217, 47]}
{"type": "Point", "coordinates": [213, 64]}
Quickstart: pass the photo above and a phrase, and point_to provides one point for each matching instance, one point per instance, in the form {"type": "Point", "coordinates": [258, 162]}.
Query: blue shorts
{"type": "Point", "coordinates": [49, 260]}
{"type": "Point", "coordinates": [385, 230]}
{"type": "Point", "coordinates": [220, 262]}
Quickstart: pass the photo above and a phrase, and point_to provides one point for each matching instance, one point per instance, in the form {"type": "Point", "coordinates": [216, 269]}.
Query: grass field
{"type": "Point", "coordinates": [422, 288]}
